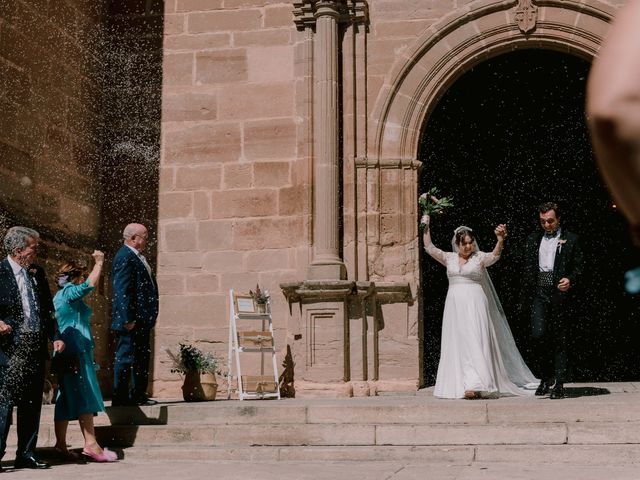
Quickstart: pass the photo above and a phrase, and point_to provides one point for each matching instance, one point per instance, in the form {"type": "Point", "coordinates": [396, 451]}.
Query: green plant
{"type": "Point", "coordinates": [191, 358]}
{"type": "Point", "coordinates": [261, 297]}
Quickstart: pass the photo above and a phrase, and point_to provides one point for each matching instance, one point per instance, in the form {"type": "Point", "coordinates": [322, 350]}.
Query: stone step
{"type": "Point", "coordinates": [399, 411]}
{"type": "Point", "coordinates": [450, 455]}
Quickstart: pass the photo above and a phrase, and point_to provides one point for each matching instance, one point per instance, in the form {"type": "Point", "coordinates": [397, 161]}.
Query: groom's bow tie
{"type": "Point", "coordinates": [551, 235]}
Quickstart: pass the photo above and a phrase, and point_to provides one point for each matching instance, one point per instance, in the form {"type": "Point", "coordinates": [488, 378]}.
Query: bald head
{"type": "Point", "coordinates": [135, 235]}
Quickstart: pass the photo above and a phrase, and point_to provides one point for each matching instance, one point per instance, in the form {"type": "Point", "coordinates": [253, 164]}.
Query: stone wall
{"type": "Point", "coordinates": [234, 178]}
{"type": "Point", "coordinates": [243, 92]}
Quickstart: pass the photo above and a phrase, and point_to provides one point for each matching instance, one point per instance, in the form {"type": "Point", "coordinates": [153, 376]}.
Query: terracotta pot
{"type": "Point", "coordinates": [199, 387]}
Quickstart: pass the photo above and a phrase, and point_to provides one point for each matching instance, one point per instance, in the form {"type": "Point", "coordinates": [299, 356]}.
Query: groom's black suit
{"type": "Point", "coordinates": [22, 358]}
{"type": "Point", "coordinates": [549, 309]}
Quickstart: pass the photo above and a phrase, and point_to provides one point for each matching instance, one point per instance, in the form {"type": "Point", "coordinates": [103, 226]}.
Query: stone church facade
{"type": "Point", "coordinates": [262, 142]}
{"type": "Point", "coordinates": [289, 158]}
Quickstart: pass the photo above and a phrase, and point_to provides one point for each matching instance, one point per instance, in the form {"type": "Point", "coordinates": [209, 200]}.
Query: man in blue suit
{"type": "Point", "coordinates": [134, 313]}
{"type": "Point", "coordinates": [26, 324]}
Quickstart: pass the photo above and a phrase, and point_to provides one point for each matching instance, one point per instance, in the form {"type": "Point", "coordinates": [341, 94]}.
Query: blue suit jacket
{"type": "Point", "coordinates": [135, 293]}
{"type": "Point", "coordinates": [12, 314]}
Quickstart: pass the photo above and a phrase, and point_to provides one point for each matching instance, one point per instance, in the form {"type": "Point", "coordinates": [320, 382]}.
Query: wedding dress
{"type": "Point", "coordinates": [477, 350]}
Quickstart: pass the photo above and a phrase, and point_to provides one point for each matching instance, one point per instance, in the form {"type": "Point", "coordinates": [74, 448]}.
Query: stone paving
{"type": "Point", "coordinates": [604, 429]}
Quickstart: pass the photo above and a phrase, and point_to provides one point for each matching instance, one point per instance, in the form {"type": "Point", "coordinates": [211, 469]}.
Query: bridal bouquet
{"type": "Point", "coordinates": [430, 204]}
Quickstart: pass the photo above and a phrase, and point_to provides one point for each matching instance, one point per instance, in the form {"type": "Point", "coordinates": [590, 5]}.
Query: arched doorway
{"type": "Point", "coordinates": [506, 136]}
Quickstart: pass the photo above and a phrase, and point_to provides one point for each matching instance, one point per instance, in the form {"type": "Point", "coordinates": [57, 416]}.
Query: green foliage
{"type": "Point", "coordinates": [191, 358]}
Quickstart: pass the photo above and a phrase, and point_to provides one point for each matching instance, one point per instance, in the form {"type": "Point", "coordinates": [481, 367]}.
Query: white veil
{"type": "Point", "coordinates": [512, 362]}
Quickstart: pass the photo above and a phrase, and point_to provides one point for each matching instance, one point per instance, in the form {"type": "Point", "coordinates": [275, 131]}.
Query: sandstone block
{"type": "Point", "coordinates": [272, 174]}
{"type": "Point", "coordinates": [215, 235]}
{"type": "Point", "coordinates": [171, 284]}
{"type": "Point", "coordinates": [203, 144]}
{"type": "Point", "coordinates": [202, 41]}
{"type": "Point", "coordinates": [206, 177]}
{"type": "Point", "coordinates": [266, 260]}
{"type": "Point", "coordinates": [197, 5]}
{"type": "Point", "coordinates": [175, 205]}
{"type": "Point", "coordinates": [293, 200]}
{"type": "Point", "coordinates": [174, 24]}
{"type": "Point", "coordinates": [244, 203]}
{"type": "Point", "coordinates": [224, 20]}
{"type": "Point", "coordinates": [179, 237]}
{"type": "Point", "coordinates": [238, 175]}
{"type": "Point", "coordinates": [270, 64]}
{"type": "Point", "coordinates": [248, 101]}
{"type": "Point", "coordinates": [262, 38]}
{"type": "Point", "coordinates": [267, 139]}
{"type": "Point", "coordinates": [278, 16]}
{"type": "Point", "coordinates": [202, 205]}
{"type": "Point", "coordinates": [201, 309]}
{"type": "Point", "coordinates": [246, 3]}
{"type": "Point", "coordinates": [203, 283]}
{"type": "Point", "coordinates": [259, 233]}
{"type": "Point", "coordinates": [411, 28]}
{"type": "Point", "coordinates": [178, 262]}
{"type": "Point", "coordinates": [223, 262]}
{"type": "Point", "coordinates": [221, 66]}
{"type": "Point", "coordinates": [177, 68]}
{"type": "Point", "coordinates": [189, 106]}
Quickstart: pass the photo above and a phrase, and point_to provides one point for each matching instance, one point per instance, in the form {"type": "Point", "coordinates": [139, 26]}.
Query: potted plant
{"type": "Point", "coordinates": [199, 370]}
{"type": "Point", "coordinates": [261, 298]}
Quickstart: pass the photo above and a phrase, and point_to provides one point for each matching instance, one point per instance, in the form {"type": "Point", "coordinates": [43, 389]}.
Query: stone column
{"type": "Point", "coordinates": [326, 263]}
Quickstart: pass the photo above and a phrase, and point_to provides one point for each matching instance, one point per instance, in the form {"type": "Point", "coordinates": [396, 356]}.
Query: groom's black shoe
{"type": "Point", "coordinates": [543, 388]}
{"type": "Point", "coordinates": [557, 392]}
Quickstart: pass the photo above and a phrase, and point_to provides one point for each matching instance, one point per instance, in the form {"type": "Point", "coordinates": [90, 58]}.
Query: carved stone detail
{"type": "Point", "coordinates": [345, 11]}
{"type": "Point", "coordinates": [526, 16]}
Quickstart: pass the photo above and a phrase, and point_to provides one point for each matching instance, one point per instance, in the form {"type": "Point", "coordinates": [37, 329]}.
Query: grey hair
{"type": "Point", "coordinates": [131, 230]}
{"type": "Point", "coordinates": [17, 237]}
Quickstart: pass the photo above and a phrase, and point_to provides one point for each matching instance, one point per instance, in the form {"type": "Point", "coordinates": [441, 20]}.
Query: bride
{"type": "Point", "coordinates": [478, 356]}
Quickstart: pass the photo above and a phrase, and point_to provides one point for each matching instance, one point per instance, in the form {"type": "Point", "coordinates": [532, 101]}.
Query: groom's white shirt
{"type": "Point", "coordinates": [547, 252]}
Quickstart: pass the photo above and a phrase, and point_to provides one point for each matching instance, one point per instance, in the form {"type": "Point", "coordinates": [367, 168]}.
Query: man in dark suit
{"type": "Point", "coordinates": [26, 322]}
{"type": "Point", "coordinates": [553, 267]}
{"type": "Point", "coordinates": [134, 313]}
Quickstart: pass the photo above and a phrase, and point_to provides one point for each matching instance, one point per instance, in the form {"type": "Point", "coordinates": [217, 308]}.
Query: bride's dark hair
{"type": "Point", "coordinates": [463, 233]}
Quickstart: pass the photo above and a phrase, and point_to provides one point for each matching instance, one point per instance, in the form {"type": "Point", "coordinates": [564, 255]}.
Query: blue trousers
{"type": "Point", "coordinates": [131, 367]}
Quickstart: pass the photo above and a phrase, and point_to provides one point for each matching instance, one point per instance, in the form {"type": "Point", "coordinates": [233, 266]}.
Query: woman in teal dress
{"type": "Point", "coordinates": [79, 396]}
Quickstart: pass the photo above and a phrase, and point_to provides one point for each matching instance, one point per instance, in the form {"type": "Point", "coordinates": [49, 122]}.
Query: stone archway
{"type": "Point", "coordinates": [424, 72]}
{"type": "Point", "coordinates": [464, 38]}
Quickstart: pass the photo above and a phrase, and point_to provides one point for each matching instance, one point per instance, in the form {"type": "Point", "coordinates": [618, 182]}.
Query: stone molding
{"type": "Point", "coordinates": [306, 12]}
{"type": "Point", "coordinates": [526, 16]}
{"type": "Point", "coordinates": [346, 352]}
{"type": "Point", "coordinates": [459, 41]}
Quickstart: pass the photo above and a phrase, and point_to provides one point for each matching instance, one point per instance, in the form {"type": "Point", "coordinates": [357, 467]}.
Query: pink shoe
{"type": "Point", "coordinates": [106, 455]}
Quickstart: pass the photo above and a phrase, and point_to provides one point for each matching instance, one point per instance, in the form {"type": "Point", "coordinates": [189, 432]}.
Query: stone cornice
{"type": "Point", "coordinates": [306, 12]}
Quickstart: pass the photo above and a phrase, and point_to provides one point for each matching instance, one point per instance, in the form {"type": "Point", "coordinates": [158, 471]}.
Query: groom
{"type": "Point", "coordinates": [553, 267]}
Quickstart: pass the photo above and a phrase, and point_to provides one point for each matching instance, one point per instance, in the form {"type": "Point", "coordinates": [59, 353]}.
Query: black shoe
{"type": "Point", "coordinates": [543, 388]}
{"type": "Point", "coordinates": [147, 403]}
{"type": "Point", "coordinates": [30, 462]}
{"type": "Point", "coordinates": [557, 392]}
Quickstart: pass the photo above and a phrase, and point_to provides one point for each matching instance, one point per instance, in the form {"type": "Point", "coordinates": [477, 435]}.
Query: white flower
{"type": "Point", "coordinates": [423, 196]}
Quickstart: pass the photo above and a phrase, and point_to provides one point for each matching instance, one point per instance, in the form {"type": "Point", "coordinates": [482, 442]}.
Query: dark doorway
{"type": "Point", "coordinates": [508, 135]}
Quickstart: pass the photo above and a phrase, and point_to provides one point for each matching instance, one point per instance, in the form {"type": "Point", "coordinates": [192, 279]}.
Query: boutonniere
{"type": "Point", "coordinates": [561, 242]}
{"type": "Point", "coordinates": [32, 274]}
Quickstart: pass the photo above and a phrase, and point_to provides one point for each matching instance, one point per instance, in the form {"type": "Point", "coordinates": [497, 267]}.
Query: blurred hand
{"type": "Point", "coordinates": [501, 231]}
{"type": "Point", "coordinates": [129, 326]}
{"type": "Point", "coordinates": [425, 221]}
{"type": "Point", "coordinates": [4, 328]}
{"type": "Point", "coordinates": [58, 346]}
{"type": "Point", "coordinates": [98, 256]}
{"type": "Point", "coordinates": [564, 284]}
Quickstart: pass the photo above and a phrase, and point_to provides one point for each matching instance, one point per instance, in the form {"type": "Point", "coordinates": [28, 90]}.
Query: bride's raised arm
{"type": "Point", "coordinates": [494, 256]}
{"type": "Point", "coordinates": [429, 247]}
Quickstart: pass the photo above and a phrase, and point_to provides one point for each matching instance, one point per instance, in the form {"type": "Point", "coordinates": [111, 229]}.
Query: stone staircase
{"type": "Point", "coordinates": [592, 428]}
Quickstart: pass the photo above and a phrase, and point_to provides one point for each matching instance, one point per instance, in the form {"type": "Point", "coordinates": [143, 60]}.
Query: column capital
{"type": "Point", "coordinates": [306, 12]}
